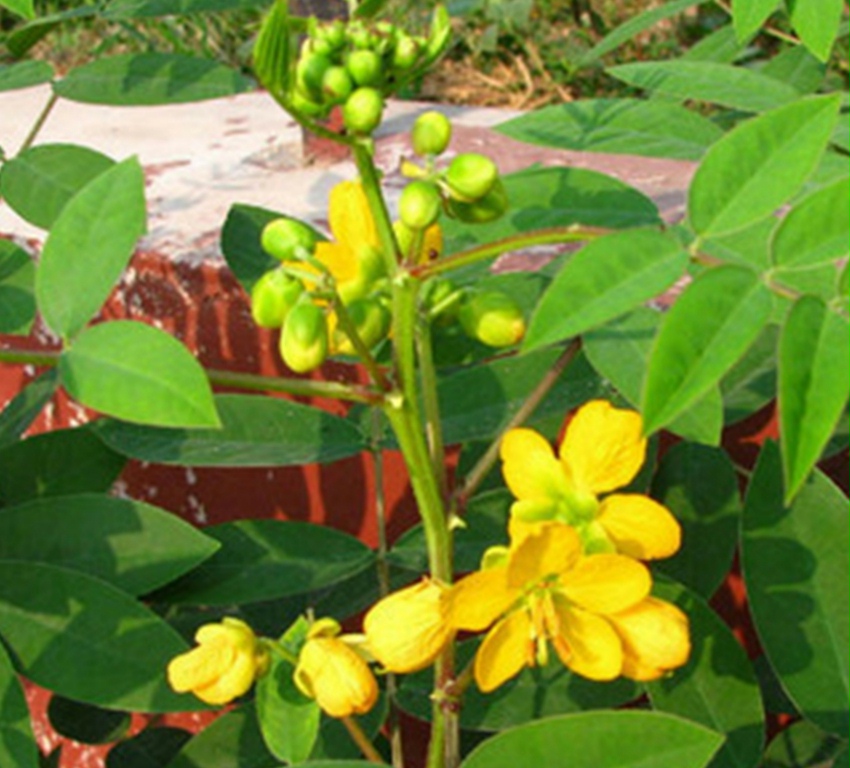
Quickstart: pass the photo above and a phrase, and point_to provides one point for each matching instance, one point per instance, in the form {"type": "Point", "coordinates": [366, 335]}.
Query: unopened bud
{"type": "Point", "coordinates": [272, 297]}
{"type": "Point", "coordinates": [283, 237]}
{"type": "Point", "coordinates": [336, 84]}
{"type": "Point", "coordinates": [405, 53]}
{"type": "Point", "coordinates": [362, 111]}
{"type": "Point", "coordinates": [488, 208]}
{"type": "Point", "coordinates": [309, 73]}
{"type": "Point", "coordinates": [304, 341]}
{"type": "Point", "coordinates": [493, 318]}
{"type": "Point", "coordinates": [470, 176]}
{"type": "Point", "coordinates": [371, 320]}
{"type": "Point", "coordinates": [419, 205]}
{"type": "Point", "coordinates": [365, 67]}
{"type": "Point", "coordinates": [431, 134]}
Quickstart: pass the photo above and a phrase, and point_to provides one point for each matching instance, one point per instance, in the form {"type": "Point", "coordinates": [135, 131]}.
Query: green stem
{"type": "Point", "coordinates": [350, 330]}
{"type": "Point", "coordinates": [377, 204]}
{"type": "Point", "coordinates": [431, 404]}
{"type": "Point", "coordinates": [39, 122]}
{"type": "Point", "coordinates": [362, 741]}
{"type": "Point", "coordinates": [518, 242]}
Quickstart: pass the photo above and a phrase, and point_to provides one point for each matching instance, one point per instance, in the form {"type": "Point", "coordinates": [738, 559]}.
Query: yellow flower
{"type": "Point", "coordinates": [594, 610]}
{"type": "Point", "coordinates": [407, 630]}
{"type": "Point", "coordinates": [223, 666]}
{"type": "Point", "coordinates": [602, 450]}
{"type": "Point", "coordinates": [333, 673]}
{"type": "Point", "coordinates": [353, 257]}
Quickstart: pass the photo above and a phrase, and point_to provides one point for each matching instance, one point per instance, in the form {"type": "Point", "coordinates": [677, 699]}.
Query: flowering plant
{"type": "Point", "coordinates": [555, 599]}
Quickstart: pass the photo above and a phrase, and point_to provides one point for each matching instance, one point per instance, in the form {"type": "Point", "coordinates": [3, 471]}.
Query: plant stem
{"type": "Point", "coordinates": [377, 204]}
{"type": "Point", "coordinates": [549, 236]}
{"type": "Point", "coordinates": [430, 402]}
{"type": "Point", "coordinates": [350, 330]}
{"type": "Point", "coordinates": [362, 741]}
{"type": "Point", "coordinates": [39, 122]}
{"type": "Point", "coordinates": [486, 462]}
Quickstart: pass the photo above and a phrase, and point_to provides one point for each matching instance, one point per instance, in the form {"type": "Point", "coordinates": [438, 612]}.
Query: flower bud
{"type": "Point", "coordinates": [223, 666]}
{"type": "Point", "coordinates": [304, 341]}
{"type": "Point", "coordinates": [419, 205]}
{"type": "Point", "coordinates": [309, 73]}
{"type": "Point", "coordinates": [283, 237]}
{"type": "Point", "coordinates": [470, 176]}
{"type": "Point", "coordinates": [405, 53]}
{"type": "Point", "coordinates": [336, 84]}
{"type": "Point", "coordinates": [431, 134]}
{"type": "Point", "coordinates": [488, 208]}
{"type": "Point", "coordinates": [361, 112]}
{"type": "Point", "coordinates": [272, 296]}
{"type": "Point", "coordinates": [365, 67]}
{"type": "Point", "coordinates": [371, 320]}
{"type": "Point", "coordinates": [493, 318]}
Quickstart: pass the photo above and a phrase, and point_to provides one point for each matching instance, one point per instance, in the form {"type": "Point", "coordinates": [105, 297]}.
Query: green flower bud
{"type": "Point", "coordinates": [431, 134]}
{"type": "Point", "coordinates": [304, 341]}
{"type": "Point", "coordinates": [272, 297]}
{"type": "Point", "coordinates": [371, 319]}
{"type": "Point", "coordinates": [488, 208]}
{"type": "Point", "coordinates": [336, 84]}
{"type": "Point", "coordinates": [365, 67]}
{"type": "Point", "coordinates": [405, 53]}
{"type": "Point", "coordinates": [361, 112]}
{"type": "Point", "coordinates": [419, 205]}
{"type": "Point", "coordinates": [470, 176]}
{"type": "Point", "coordinates": [493, 318]}
{"type": "Point", "coordinates": [333, 34]}
{"type": "Point", "coordinates": [305, 105]}
{"type": "Point", "coordinates": [281, 238]}
{"type": "Point", "coordinates": [309, 73]}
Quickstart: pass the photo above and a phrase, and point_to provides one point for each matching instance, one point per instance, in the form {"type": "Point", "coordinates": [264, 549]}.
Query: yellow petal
{"type": "Point", "coordinates": [530, 467]}
{"type": "Point", "coordinates": [655, 638]}
{"type": "Point", "coordinates": [480, 598]}
{"type": "Point", "coordinates": [539, 550]}
{"type": "Point", "coordinates": [606, 583]}
{"type": "Point", "coordinates": [200, 666]}
{"type": "Point", "coordinates": [407, 630]}
{"type": "Point", "coordinates": [603, 447]}
{"type": "Point", "coordinates": [639, 526]}
{"type": "Point", "coordinates": [339, 259]}
{"type": "Point", "coordinates": [349, 215]}
{"type": "Point", "coordinates": [507, 648]}
{"type": "Point", "coordinates": [587, 644]}
{"type": "Point", "coordinates": [336, 677]}
{"type": "Point", "coordinates": [235, 680]}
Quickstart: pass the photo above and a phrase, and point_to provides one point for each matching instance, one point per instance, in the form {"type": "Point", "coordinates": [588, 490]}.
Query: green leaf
{"type": "Point", "coordinates": [240, 243]}
{"type": "Point", "coordinates": [268, 559]}
{"type": "Point", "coordinates": [534, 694]}
{"type": "Point", "coordinates": [748, 247]}
{"type": "Point", "coordinates": [629, 126]}
{"type": "Point", "coordinates": [17, 280]}
{"type": "Point", "coordinates": [256, 432]}
{"type": "Point", "coordinates": [797, 67]}
{"type": "Point", "coordinates": [478, 402]}
{"type": "Point", "coordinates": [17, 743]}
{"type": "Point", "coordinates": [21, 39]}
{"type": "Point", "coordinates": [706, 331]}
{"type": "Point", "coordinates": [721, 46]}
{"type": "Point", "coordinates": [816, 22]}
{"type": "Point", "coordinates": [86, 723]}
{"type": "Point", "coordinates": [561, 197]}
{"type": "Point", "coordinates": [24, 74]}
{"type": "Point", "coordinates": [620, 350]}
{"type": "Point", "coordinates": [625, 739]}
{"type": "Point", "coordinates": [141, 79]}
{"type": "Point", "coordinates": [814, 379]}
{"type": "Point", "coordinates": [751, 383]}
{"type": "Point", "coordinates": [802, 745]}
{"type": "Point", "coordinates": [716, 688]}
{"type": "Point", "coordinates": [273, 54]}
{"type": "Point", "coordinates": [795, 567]}
{"type": "Point", "coordinates": [232, 741]}
{"type": "Point", "coordinates": [634, 26]}
{"type": "Point", "coordinates": [749, 15]}
{"type": "Point", "coordinates": [759, 165]}
{"type": "Point", "coordinates": [150, 748]}
{"type": "Point", "coordinates": [138, 373]}
{"type": "Point", "coordinates": [42, 179]}
{"type": "Point", "coordinates": [135, 9]}
{"type": "Point", "coordinates": [21, 7]}
{"type": "Point", "coordinates": [89, 246]}
{"type": "Point", "coordinates": [86, 640]}
{"type": "Point", "coordinates": [58, 463]}
{"type": "Point", "coordinates": [289, 720]}
{"type": "Point", "coordinates": [724, 84]}
{"type": "Point", "coordinates": [130, 544]}
{"type": "Point", "coordinates": [606, 279]}
{"type": "Point", "coordinates": [698, 485]}
{"type": "Point", "coordinates": [24, 407]}
{"type": "Point", "coordinates": [815, 231]}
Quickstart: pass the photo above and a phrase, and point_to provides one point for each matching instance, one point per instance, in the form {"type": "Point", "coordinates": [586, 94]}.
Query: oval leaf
{"type": "Point", "coordinates": [256, 432]}
{"type": "Point", "coordinates": [150, 748]}
{"type": "Point", "coordinates": [268, 559]}
{"type": "Point", "coordinates": [817, 23]}
{"type": "Point", "coordinates": [606, 279]}
{"type": "Point", "coordinates": [759, 165]}
{"type": "Point", "coordinates": [86, 640]}
{"type": "Point", "coordinates": [749, 15]}
{"type": "Point", "coordinates": [795, 566]}
{"type": "Point", "coordinates": [24, 74]}
{"type": "Point", "coordinates": [17, 743]}
{"type": "Point", "coordinates": [628, 739]}
{"type": "Point", "coordinates": [40, 180]}
{"type": "Point", "coordinates": [23, 408]}
{"type": "Point", "coordinates": [709, 327]}
{"type": "Point", "coordinates": [86, 723]}
{"type": "Point", "coordinates": [138, 373]}
{"type": "Point", "coordinates": [137, 79]}
{"type": "Point", "coordinates": [132, 545]}
{"type": "Point", "coordinates": [17, 280]}
{"type": "Point", "coordinates": [89, 246]}
{"type": "Point", "coordinates": [814, 380]}
{"type": "Point", "coordinates": [802, 745]}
